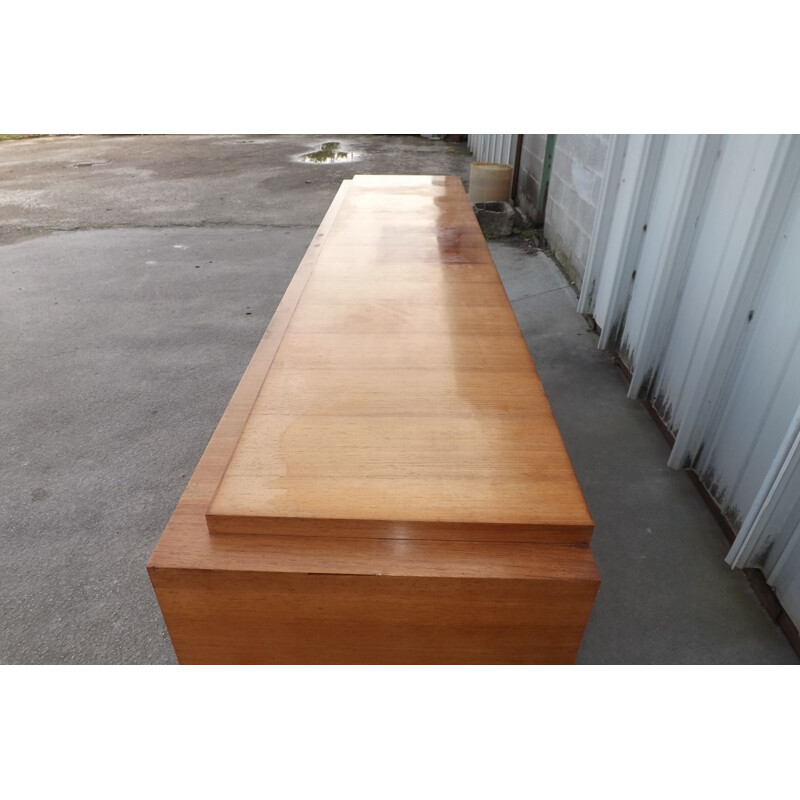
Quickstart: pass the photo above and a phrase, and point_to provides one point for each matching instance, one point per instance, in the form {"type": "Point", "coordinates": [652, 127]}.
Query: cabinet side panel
{"type": "Point", "coordinates": [218, 617]}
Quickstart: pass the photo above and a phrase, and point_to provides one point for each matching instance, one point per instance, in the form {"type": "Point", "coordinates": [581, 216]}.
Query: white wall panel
{"type": "Point", "coordinates": [494, 148]}
{"type": "Point", "coordinates": [694, 278]}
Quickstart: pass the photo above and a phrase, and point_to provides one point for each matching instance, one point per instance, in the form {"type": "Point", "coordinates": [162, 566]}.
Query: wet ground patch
{"type": "Point", "coordinates": [329, 153]}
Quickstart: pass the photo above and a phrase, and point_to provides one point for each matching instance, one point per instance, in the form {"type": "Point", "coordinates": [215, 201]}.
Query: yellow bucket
{"type": "Point", "coordinates": [489, 182]}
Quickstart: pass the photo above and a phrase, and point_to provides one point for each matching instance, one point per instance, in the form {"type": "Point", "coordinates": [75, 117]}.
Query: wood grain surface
{"type": "Point", "coordinates": [356, 591]}
{"type": "Point", "coordinates": [295, 618]}
{"type": "Point", "coordinates": [386, 401]}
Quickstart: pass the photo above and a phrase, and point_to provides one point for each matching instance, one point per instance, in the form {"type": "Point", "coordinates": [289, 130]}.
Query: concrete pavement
{"type": "Point", "coordinates": [666, 597]}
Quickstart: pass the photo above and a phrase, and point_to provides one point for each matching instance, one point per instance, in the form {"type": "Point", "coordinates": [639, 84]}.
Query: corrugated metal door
{"type": "Point", "coordinates": [694, 276]}
{"type": "Point", "coordinates": [494, 148]}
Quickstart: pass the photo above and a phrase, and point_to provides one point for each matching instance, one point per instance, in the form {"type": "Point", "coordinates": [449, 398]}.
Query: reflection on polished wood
{"type": "Point", "coordinates": [456, 462]}
{"type": "Point", "coordinates": [387, 484]}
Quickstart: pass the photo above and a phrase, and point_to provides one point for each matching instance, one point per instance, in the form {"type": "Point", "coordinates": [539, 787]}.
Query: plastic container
{"type": "Point", "coordinates": [489, 183]}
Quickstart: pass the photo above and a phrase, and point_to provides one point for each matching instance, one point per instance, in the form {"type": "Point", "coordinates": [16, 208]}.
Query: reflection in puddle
{"type": "Point", "coordinates": [329, 153]}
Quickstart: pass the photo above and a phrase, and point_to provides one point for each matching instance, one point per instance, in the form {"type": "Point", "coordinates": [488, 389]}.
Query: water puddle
{"type": "Point", "coordinates": [88, 163]}
{"type": "Point", "coordinates": [329, 153]}
{"type": "Point", "coordinates": [257, 140]}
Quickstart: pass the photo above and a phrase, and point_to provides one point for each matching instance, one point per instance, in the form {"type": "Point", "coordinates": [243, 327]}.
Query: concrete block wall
{"type": "Point", "coordinates": [530, 173]}
{"type": "Point", "coordinates": [577, 174]}
{"type": "Point", "coordinates": [574, 189]}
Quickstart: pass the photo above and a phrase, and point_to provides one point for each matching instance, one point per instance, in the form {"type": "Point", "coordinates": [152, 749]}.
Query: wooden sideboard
{"type": "Point", "coordinates": [387, 484]}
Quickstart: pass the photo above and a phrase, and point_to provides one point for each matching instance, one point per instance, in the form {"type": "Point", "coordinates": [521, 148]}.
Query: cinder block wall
{"type": "Point", "coordinates": [574, 189]}
{"type": "Point", "coordinates": [531, 166]}
{"type": "Point", "coordinates": [575, 180]}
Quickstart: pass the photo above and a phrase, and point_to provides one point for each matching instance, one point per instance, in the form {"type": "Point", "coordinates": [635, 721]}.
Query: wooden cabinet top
{"type": "Point", "coordinates": [400, 400]}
